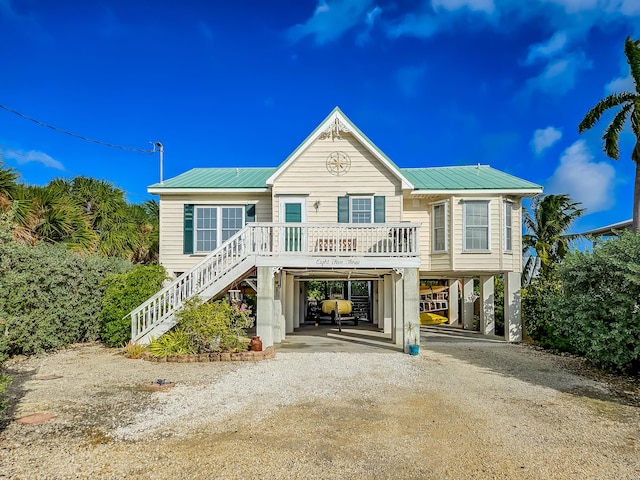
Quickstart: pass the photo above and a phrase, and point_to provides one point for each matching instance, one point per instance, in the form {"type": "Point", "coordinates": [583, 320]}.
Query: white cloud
{"type": "Point", "coordinates": [620, 84]}
{"type": "Point", "coordinates": [370, 21]}
{"type": "Point", "coordinates": [410, 78]}
{"type": "Point", "coordinates": [34, 156]}
{"type": "Point", "coordinates": [487, 6]}
{"type": "Point", "coordinates": [571, 19]}
{"type": "Point", "coordinates": [624, 7]}
{"type": "Point", "coordinates": [586, 181]}
{"type": "Point", "coordinates": [560, 74]}
{"type": "Point", "coordinates": [420, 24]}
{"type": "Point", "coordinates": [333, 18]}
{"type": "Point", "coordinates": [555, 45]}
{"type": "Point", "coordinates": [544, 138]}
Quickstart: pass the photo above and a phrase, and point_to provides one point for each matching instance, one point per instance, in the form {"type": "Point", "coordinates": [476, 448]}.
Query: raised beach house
{"type": "Point", "coordinates": [339, 209]}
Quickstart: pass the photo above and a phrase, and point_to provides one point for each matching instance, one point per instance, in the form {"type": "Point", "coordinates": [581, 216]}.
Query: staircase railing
{"type": "Point", "coordinates": [162, 306]}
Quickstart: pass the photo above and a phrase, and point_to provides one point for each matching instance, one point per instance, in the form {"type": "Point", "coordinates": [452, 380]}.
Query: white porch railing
{"type": "Point", "coordinates": [236, 257]}
{"type": "Point", "coordinates": [338, 239]}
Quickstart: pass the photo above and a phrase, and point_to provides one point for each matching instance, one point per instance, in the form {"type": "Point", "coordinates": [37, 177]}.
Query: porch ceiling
{"type": "Point", "coordinates": [338, 274]}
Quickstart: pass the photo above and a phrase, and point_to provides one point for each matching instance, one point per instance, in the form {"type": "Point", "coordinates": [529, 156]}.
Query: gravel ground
{"type": "Point", "coordinates": [456, 411]}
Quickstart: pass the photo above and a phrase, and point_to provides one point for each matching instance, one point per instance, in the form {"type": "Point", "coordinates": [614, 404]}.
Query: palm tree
{"type": "Point", "coordinates": [630, 110]}
{"type": "Point", "coordinates": [47, 214]}
{"type": "Point", "coordinates": [8, 186]}
{"type": "Point", "coordinates": [553, 216]}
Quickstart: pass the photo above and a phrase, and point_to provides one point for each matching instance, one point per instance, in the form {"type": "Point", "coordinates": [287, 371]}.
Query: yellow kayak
{"type": "Point", "coordinates": [344, 306]}
{"type": "Point", "coordinates": [427, 318]}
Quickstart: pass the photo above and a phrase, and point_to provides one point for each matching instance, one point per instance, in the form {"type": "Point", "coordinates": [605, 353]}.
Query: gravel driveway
{"type": "Point", "coordinates": [456, 411]}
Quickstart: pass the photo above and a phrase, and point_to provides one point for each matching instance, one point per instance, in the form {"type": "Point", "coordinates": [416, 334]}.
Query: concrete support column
{"type": "Point", "coordinates": [467, 304]}
{"type": "Point", "coordinates": [289, 312]}
{"type": "Point", "coordinates": [411, 306]}
{"type": "Point", "coordinates": [379, 317]}
{"type": "Point", "coordinates": [512, 307]}
{"type": "Point", "coordinates": [397, 330]}
{"type": "Point", "coordinates": [454, 286]}
{"type": "Point", "coordinates": [264, 305]}
{"type": "Point", "coordinates": [297, 296]}
{"type": "Point", "coordinates": [278, 317]}
{"type": "Point", "coordinates": [487, 315]}
{"type": "Point", "coordinates": [387, 304]}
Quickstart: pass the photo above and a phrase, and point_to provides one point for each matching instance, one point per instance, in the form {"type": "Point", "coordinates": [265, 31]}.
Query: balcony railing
{"type": "Point", "coordinates": [336, 239]}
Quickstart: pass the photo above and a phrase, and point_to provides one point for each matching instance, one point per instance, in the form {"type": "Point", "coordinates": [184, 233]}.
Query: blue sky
{"type": "Point", "coordinates": [431, 82]}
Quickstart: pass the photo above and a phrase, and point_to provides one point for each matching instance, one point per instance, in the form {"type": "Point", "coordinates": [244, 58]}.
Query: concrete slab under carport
{"type": "Point", "coordinates": [430, 334]}
{"type": "Point", "coordinates": [365, 338]}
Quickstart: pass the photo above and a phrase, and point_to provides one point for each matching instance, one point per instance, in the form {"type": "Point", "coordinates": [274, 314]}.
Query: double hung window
{"type": "Point", "coordinates": [215, 225]}
{"type": "Point", "coordinates": [439, 227]}
{"type": "Point", "coordinates": [508, 228]}
{"type": "Point", "coordinates": [476, 225]}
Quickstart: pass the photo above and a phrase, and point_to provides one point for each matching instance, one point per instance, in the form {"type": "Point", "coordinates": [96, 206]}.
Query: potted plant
{"type": "Point", "coordinates": [413, 338]}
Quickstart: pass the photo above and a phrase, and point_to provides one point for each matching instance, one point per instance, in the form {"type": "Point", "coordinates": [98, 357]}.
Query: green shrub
{"type": "Point", "coordinates": [599, 305]}
{"type": "Point", "coordinates": [206, 327]}
{"type": "Point", "coordinates": [171, 343]}
{"type": "Point", "coordinates": [538, 315]}
{"type": "Point", "coordinates": [124, 292]}
{"type": "Point", "coordinates": [50, 296]}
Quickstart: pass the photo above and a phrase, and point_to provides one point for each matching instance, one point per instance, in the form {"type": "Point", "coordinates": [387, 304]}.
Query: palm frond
{"type": "Point", "coordinates": [610, 101]}
{"type": "Point", "coordinates": [632, 52]}
{"type": "Point", "coordinates": [612, 132]}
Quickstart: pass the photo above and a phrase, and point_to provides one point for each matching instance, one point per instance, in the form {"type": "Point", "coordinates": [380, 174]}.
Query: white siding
{"type": "Point", "coordinates": [172, 226]}
{"type": "Point", "coordinates": [480, 261]}
{"type": "Point", "coordinates": [456, 260]}
{"type": "Point", "coordinates": [308, 175]}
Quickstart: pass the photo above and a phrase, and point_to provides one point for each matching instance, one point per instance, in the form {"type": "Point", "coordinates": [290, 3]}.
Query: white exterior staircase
{"type": "Point", "coordinates": [218, 270]}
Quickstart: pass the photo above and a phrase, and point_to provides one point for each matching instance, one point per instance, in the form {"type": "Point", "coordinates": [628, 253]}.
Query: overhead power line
{"type": "Point", "coordinates": [71, 134]}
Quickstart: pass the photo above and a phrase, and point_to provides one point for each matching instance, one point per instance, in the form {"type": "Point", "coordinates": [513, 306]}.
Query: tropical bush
{"type": "Point", "coordinates": [539, 316]}
{"type": "Point", "coordinates": [598, 306]}
{"type": "Point", "coordinates": [122, 293]}
{"type": "Point", "coordinates": [50, 296]}
{"type": "Point", "coordinates": [205, 327]}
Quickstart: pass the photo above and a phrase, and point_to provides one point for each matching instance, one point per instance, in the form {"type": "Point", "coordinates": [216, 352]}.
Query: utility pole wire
{"type": "Point", "coordinates": [131, 149]}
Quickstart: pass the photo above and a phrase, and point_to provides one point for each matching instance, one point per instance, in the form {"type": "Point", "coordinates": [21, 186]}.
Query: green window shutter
{"type": "Point", "coordinates": [187, 244]}
{"type": "Point", "coordinates": [249, 213]}
{"type": "Point", "coordinates": [343, 209]}
{"type": "Point", "coordinates": [378, 210]}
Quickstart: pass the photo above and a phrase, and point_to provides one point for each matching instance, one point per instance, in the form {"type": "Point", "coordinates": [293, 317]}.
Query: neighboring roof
{"type": "Point", "coordinates": [478, 178]}
{"type": "Point", "coordinates": [218, 178]}
{"type": "Point", "coordinates": [610, 230]}
{"type": "Point", "coordinates": [337, 117]}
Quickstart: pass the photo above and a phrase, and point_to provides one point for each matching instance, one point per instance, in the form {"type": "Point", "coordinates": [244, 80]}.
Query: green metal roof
{"type": "Point", "coordinates": [219, 178]}
{"type": "Point", "coordinates": [479, 177]}
{"type": "Point", "coordinates": [433, 178]}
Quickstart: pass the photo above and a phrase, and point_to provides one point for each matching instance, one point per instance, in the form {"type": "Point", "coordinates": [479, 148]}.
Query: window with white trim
{"type": "Point", "coordinates": [508, 227]}
{"type": "Point", "coordinates": [214, 225]}
{"type": "Point", "coordinates": [361, 209]}
{"type": "Point", "coordinates": [439, 227]}
{"type": "Point", "coordinates": [475, 219]}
